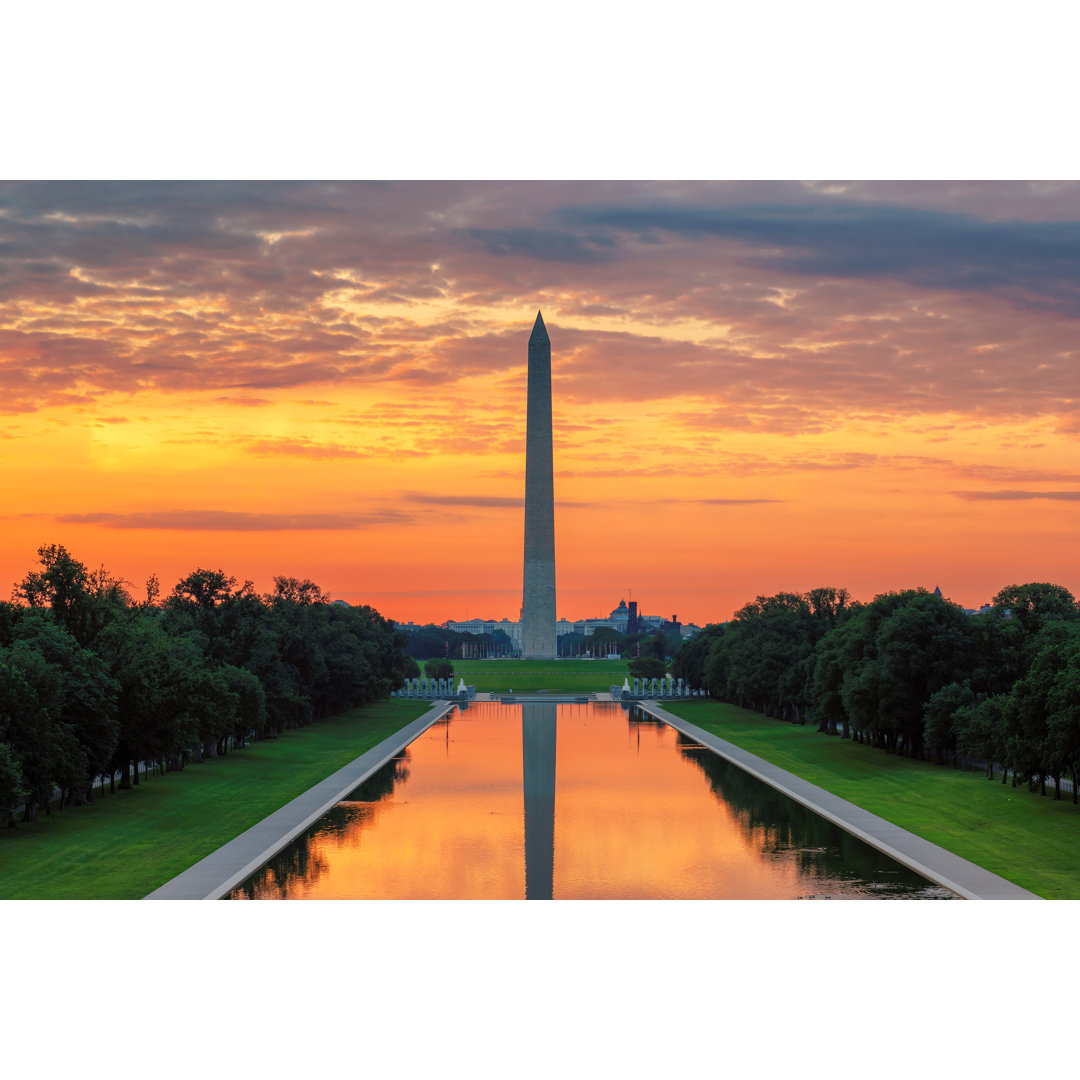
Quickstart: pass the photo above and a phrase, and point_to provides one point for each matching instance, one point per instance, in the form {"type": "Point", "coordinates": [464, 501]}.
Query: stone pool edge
{"type": "Point", "coordinates": [966, 879]}
{"type": "Point", "coordinates": [217, 874]}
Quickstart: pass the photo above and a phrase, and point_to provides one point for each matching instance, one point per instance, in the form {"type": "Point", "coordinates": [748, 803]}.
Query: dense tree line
{"type": "Point", "coordinates": [912, 673]}
{"type": "Point", "coordinates": [426, 642]}
{"type": "Point", "coordinates": [94, 684]}
{"type": "Point", "coordinates": [604, 640]}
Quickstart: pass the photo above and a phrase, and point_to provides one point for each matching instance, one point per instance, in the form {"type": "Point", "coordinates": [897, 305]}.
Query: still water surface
{"type": "Point", "coordinates": [585, 801]}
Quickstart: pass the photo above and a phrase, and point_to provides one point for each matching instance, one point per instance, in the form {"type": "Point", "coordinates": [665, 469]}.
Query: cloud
{"type": "Point", "coordinates": [245, 402]}
{"type": "Point", "coordinates": [302, 448]}
{"type": "Point", "coordinates": [1013, 496]}
{"type": "Point", "coordinates": [547, 245]}
{"type": "Point", "coordinates": [693, 502]}
{"type": "Point", "coordinates": [1003, 473]}
{"type": "Point", "coordinates": [730, 502]}
{"type": "Point", "coordinates": [463, 500]}
{"type": "Point", "coordinates": [775, 308]}
{"type": "Point", "coordinates": [1034, 263]}
{"type": "Point", "coordinates": [235, 520]}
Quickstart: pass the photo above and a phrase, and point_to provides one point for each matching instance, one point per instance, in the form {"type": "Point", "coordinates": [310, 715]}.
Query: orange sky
{"type": "Point", "coordinates": [756, 386]}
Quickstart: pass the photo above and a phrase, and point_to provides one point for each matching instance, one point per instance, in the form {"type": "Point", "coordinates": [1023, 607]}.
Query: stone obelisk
{"type": "Point", "coordinates": [538, 597]}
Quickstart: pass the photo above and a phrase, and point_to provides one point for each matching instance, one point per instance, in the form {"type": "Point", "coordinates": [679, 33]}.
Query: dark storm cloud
{"type": "Point", "coordinates": [547, 245]}
{"type": "Point", "coordinates": [1035, 263]}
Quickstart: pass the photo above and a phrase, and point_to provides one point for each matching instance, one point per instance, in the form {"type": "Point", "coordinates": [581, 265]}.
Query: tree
{"type": "Point", "coordinates": [646, 667]}
{"type": "Point", "coordinates": [297, 592]}
{"type": "Point", "coordinates": [606, 639]}
{"type": "Point", "coordinates": [153, 721]}
{"type": "Point", "coordinates": [1011, 630]}
{"type": "Point", "coordinates": [204, 588]}
{"type": "Point", "coordinates": [689, 663]}
{"type": "Point", "coordinates": [764, 657]}
{"type": "Point", "coordinates": [654, 645]}
{"type": "Point", "coordinates": [897, 652]}
{"type": "Point", "coordinates": [96, 684]}
{"type": "Point", "coordinates": [45, 748]}
{"type": "Point", "coordinates": [829, 606]}
{"type": "Point", "coordinates": [439, 668]}
{"type": "Point", "coordinates": [1030, 606]}
{"type": "Point", "coordinates": [718, 668]}
{"type": "Point", "coordinates": [1031, 751]}
{"type": "Point", "coordinates": [249, 718]}
{"type": "Point", "coordinates": [825, 680]}
{"type": "Point", "coordinates": [59, 585]}
{"type": "Point", "coordinates": [980, 733]}
{"type": "Point", "coordinates": [75, 686]}
{"type": "Point", "coordinates": [941, 714]}
{"type": "Point", "coordinates": [13, 790]}
{"type": "Point", "coordinates": [9, 616]}
{"type": "Point", "coordinates": [768, 644]}
{"type": "Point", "coordinates": [208, 705]}
{"type": "Point", "coordinates": [1063, 720]}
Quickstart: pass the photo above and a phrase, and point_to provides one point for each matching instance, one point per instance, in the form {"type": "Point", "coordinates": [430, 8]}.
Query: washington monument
{"type": "Point", "coordinates": [538, 596]}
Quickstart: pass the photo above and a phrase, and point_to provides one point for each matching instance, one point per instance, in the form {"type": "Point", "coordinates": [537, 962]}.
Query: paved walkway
{"type": "Point", "coordinates": [943, 867]}
{"type": "Point", "coordinates": [222, 870]}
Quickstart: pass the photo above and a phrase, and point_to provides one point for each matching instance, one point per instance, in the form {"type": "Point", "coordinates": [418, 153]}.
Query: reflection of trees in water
{"type": "Point", "coordinates": [299, 864]}
{"type": "Point", "coordinates": [380, 784]}
{"type": "Point", "coordinates": [640, 719]}
{"type": "Point", "coordinates": [294, 866]}
{"type": "Point", "coordinates": [646, 724]}
{"type": "Point", "coordinates": [780, 827]}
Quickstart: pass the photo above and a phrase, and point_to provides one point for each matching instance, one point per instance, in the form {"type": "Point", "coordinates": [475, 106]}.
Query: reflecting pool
{"type": "Point", "coordinates": [585, 801]}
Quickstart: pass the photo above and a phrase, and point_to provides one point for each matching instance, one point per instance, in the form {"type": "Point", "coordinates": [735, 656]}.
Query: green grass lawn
{"type": "Point", "coordinates": [1029, 839]}
{"type": "Point", "coordinates": [124, 846]}
{"type": "Point", "coordinates": [579, 676]}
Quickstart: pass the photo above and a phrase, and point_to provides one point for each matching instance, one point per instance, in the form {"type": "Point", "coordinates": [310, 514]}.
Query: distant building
{"type": "Point", "coordinates": [486, 626]}
{"type": "Point", "coordinates": [624, 618]}
{"type": "Point", "coordinates": [620, 616]}
{"type": "Point", "coordinates": [472, 626]}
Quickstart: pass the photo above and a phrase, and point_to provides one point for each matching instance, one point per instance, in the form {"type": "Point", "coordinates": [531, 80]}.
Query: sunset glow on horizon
{"type": "Point", "coordinates": [756, 387]}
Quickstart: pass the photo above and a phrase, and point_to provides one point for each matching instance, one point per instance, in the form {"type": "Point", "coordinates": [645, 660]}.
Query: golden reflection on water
{"type": "Point", "coordinates": [638, 813]}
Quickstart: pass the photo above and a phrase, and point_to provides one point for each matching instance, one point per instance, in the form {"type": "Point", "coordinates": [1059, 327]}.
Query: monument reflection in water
{"type": "Point", "coordinates": [538, 735]}
{"type": "Point", "coordinates": [562, 801]}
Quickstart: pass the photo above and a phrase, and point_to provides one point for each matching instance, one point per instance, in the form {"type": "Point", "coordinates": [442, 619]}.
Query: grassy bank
{"type": "Point", "coordinates": [579, 676]}
{"type": "Point", "coordinates": [1031, 840]}
{"type": "Point", "coordinates": [123, 846]}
